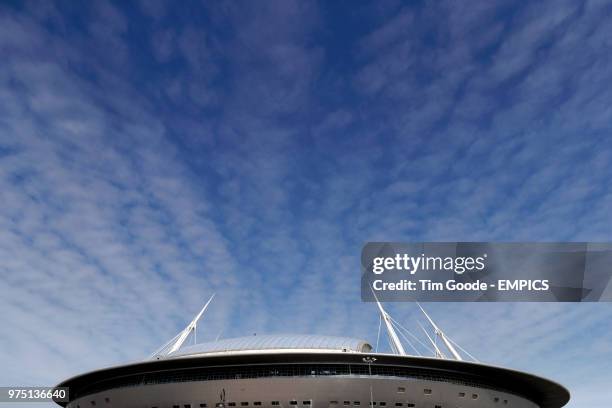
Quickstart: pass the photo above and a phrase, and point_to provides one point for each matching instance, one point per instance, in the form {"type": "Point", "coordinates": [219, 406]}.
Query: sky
{"type": "Point", "coordinates": [153, 154]}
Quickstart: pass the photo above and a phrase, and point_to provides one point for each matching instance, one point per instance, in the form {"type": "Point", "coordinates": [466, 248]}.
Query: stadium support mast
{"type": "Point", "coordinates": [441, 334]}
{"type": "Point", "coordinates": [395, 341]}
{"type": "Point", "coordinates": [438, 352]}
{"type": "Point", "coordinates": [187, 330]}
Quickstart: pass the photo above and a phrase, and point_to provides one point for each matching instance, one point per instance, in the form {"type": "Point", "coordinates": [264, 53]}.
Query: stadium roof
{"type": "Point", "coordinates": [277, 342]}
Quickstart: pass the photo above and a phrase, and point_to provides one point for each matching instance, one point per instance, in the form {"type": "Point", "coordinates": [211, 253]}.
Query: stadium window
{"type": "Point", "coordinates": [347, 402]}
{"type": "Point", "coordinates": [257, 403]}
{"type": "Point", "coordinates": [307, 402]}
{"type": "Point", "coordinates": [93, 403]}
{"type": "Point", "coordinates": [293, 402]}
{"type": "Point", "coordinates": [496, 399]}
{"type": "Point", "coordinates": [244, 404]}
{"type": "Point", "coordinates": [505, 401]}
{"type": "Point", "coordinates": [333, 402]}
{"type": "Point", "coordinates": [399, 404]}
{"type": "Point", "coordinates": [107, 400]}
{"type": "Point", "coordinates": [356, 402]}
{"type": "Point", "coordinates": [187, 406]}
{"type": "Point", "coordinates": [427, 391]}
{"type": "Point", "coordinates": [438, 406]}
{"type": "Point", "coordinates": [232, 404]}
{"type": "Point", "coordinates": [410, 404]}
{"type": "Point", "coordinates": [275, 403]}
{"type": "Point", "coordinates": [401, 390]}
{"type": "Point", "coordinates": [202, 405]}
{"type": "Point", "coordinates": [462, 394]}
{"type": "Point", "coordinates": [383, 404]}
{"type": "Point", "coordinates": [474, 396]}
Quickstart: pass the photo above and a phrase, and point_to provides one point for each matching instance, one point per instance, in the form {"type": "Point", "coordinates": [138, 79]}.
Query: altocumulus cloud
{"type": "Point", "coordinates": [151, 155]}
{"type": "Point", "coordinates": [95, 229]}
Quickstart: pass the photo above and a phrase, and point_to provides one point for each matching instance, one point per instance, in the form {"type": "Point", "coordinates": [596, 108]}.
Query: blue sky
{"type": "Point", "coordinates": [151, 155]}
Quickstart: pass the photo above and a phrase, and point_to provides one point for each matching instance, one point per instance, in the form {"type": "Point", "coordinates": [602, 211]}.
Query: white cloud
{"type": "Point", "coordinates": [124, 205]}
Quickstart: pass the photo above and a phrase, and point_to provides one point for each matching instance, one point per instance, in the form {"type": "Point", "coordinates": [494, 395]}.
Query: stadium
{"type": "Point", "coordinates": [310, 371]}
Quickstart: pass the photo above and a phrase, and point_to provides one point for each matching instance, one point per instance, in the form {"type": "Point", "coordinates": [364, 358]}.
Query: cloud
{"type": "Point", "coordinates": [149, 158]}
{"type": "Point", "coordinates": [93, 228]}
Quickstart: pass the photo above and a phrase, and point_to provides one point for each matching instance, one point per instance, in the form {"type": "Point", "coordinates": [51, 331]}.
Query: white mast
{"type": "Point", "coordinates": [440, 333]}
{"type": "Point", "coordinates": [395, 341]}
{"type": "Point", "coordinates": [190, 327]}
{"type": "Point", "coordinates": [438, 352]}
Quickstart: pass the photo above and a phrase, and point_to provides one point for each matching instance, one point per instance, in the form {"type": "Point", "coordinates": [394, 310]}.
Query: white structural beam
{"type": "Point", "coordinates": [437, 352]}
{"type": "Point", "coordinates": [395, 341]}
{"type": "Point", "coordinates": [441, 334]}
{"type": "Point", "coordinates": [187, 330]}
